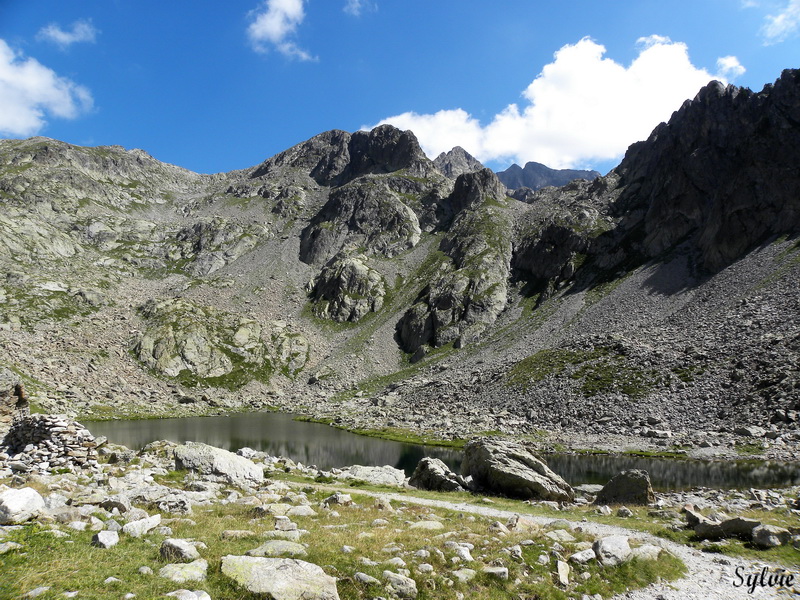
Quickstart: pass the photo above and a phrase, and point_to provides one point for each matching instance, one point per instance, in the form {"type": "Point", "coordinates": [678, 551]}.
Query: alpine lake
{"type": "Point", "coordinates": [326, 447]}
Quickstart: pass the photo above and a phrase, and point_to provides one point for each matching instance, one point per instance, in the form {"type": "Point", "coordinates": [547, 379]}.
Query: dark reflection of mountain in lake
{"type": "Point", "coordinates": [667, 474]}
{"type": "Point", "coordinates": [278, 435]}
{"type": "Point", "coordinates": [326, 447]}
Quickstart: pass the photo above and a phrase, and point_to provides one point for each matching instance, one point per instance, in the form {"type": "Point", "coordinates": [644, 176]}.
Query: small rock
{"type": "Point", "coordinates": [105, 539]}
{"type": "Point", "coordinates": [181, 573]}
{"type": "Point", "coordinates": [173, 549]}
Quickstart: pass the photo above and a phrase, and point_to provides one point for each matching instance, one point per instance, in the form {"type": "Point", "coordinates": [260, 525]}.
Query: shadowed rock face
{"type": "Point", "coordinates": [723, 172]}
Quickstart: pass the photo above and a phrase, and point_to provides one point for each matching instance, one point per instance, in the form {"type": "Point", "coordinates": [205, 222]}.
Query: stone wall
{"type": "Point", "coordinates": [42, 443]}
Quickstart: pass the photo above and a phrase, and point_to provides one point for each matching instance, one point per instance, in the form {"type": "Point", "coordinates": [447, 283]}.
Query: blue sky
{"type": "Point", "coordinates": [216, 86]}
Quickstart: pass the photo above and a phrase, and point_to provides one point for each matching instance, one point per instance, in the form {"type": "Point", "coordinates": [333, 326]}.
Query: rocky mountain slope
{"type": "Point", "coordinates": [349, 276]}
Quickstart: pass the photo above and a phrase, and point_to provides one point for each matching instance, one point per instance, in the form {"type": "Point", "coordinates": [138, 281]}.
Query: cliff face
{"type": "Point", "coordinates": [341, 259]}
{"type": "Point", "coordinates": [723, 172]}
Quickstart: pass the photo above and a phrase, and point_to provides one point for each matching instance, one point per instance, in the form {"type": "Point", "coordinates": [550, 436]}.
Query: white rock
{"type": "Point", "coordinates": [105, 539]}
{"type": "Point", "coordinates": [583, 557]}
{"type": "Point", "coordinates": [282, 578]}
{"type": "Point", "coordinates": [142, 526]}
{"type": "Point", "coordinates": [218, 464]}
{"type": "Point", "coordinates": [18, 506]}
{"type": "Point", "coordinates": [181, 573]}
{"type": "Point", "coordinates": [612, 550]}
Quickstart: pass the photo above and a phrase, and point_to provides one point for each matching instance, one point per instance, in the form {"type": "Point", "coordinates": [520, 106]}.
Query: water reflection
{"type": "Point", "coordinates": [276, 434]}
{"type": "Point", "coordinates": [327, 447]}
{"type": "Point", "coordinates": [668, 474]}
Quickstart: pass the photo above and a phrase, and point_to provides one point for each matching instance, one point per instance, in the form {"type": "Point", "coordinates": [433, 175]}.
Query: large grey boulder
{"type": "Point", "coordinates": [627, 487]}
{"type": "Point", "coordinates": [281, 578]}
{"type": "Point", "coordinates": [217, 464]}
{"type": "Point", "coordinates": [770, 536]}
{"type": "Point", "coordinates": [432, 474]}
{"type": "Point", "coordinates": [510, 469]}
{"type": "Point", "coordinates": [18, 506]}
{"type": "Point", "coordinates": [386, 475]}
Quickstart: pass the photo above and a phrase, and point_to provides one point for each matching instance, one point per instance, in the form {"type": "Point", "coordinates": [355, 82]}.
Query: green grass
{"type": "Point", "coordinates": [598, 371]}
{"type": "Point", "coordinates": [72, 564]}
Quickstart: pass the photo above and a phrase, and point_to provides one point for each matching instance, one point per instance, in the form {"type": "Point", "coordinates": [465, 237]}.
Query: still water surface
{"type": "Point", "coordinates": [315, 444]}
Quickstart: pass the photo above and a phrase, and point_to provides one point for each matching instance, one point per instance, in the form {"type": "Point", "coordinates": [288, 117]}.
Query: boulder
{"type": "Point", "coordinates": [18, 506]}
{"type": "Point", "coordinates": [105, 539]}
{"type": "Point", "coordinates": [218, 464]}
{"type": "Point", "coordinates": [385, 475]}
{"type": "Point", "coordinates": [402, 586]}
{"type": "Point", "coordinates": [770, 536]}
{"type": "Point", "coordinates": [281, 578]}
{"type": "Point", "coordinates": [279, 548]}
{"type": "Point", "coordinates": [612, 550]}
{"type": "Point", "coordinates": [140, 527]}
{"type": "Point", "coordinates": [173, 549]}
{"type": "Point", "coordinates": [739, 527]}
{"type": "Point", "coordinates": [627, 487]}
{"type": "Point", "coordinates": [709, 530]}
{"type": "Point", "coordinates": [508, 468]}
{"type": "Point", "coordinates": [181, 573]}
{"type": "Point", "coordinates": [432, 474]}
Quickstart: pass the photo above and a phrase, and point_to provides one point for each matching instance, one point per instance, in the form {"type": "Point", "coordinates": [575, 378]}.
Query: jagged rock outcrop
{"type": "Point", "coordinates": [347, 289]}
{"type": "Point", "coordinates": [364, 213]}
{"type": "Point", "coordinates": [212, 245]}
{"type": "Point", "coordinates": [470, 287]}
{"type": "Point", "coordinates": [335, 158]}
{"type": "Point", "coordinates": [510, 469]}
{"type": "Point", "coordinates": [457, 162]}
{"type": "Point", "coordinates": [536, 176]}
{"type": "Point", "coordinates": [721, 173]}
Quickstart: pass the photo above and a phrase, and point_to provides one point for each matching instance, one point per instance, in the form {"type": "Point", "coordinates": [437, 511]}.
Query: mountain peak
{"type": "Point", "coordinates": [457, 162]}
{"type": "Point", "coordinates": [536, 176]}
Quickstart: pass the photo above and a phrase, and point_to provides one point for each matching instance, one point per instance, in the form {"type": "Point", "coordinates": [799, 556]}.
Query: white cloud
{"type": "Point", "coordinates": [781, 26]}
{"type": "Point", "coordinates": [729, 67]}
{"type": "Point", "coordinates": [274, 24]}
{"type": "Point", "coordinates": [82, 31]}
{"type": "Point", "coordinates": [356, 7]}
{"type": "Point", "coordinates": [582, 108]}
{"type": "Point", "coordinates": [30, 92]}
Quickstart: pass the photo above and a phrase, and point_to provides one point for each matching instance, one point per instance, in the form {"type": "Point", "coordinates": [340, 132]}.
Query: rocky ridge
{"type": "Point", "coordinates": [658, 302]}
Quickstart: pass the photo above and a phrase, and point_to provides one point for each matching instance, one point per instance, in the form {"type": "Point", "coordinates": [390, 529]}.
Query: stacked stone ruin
{"type": "Point", "coordinates": [43, 443]}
